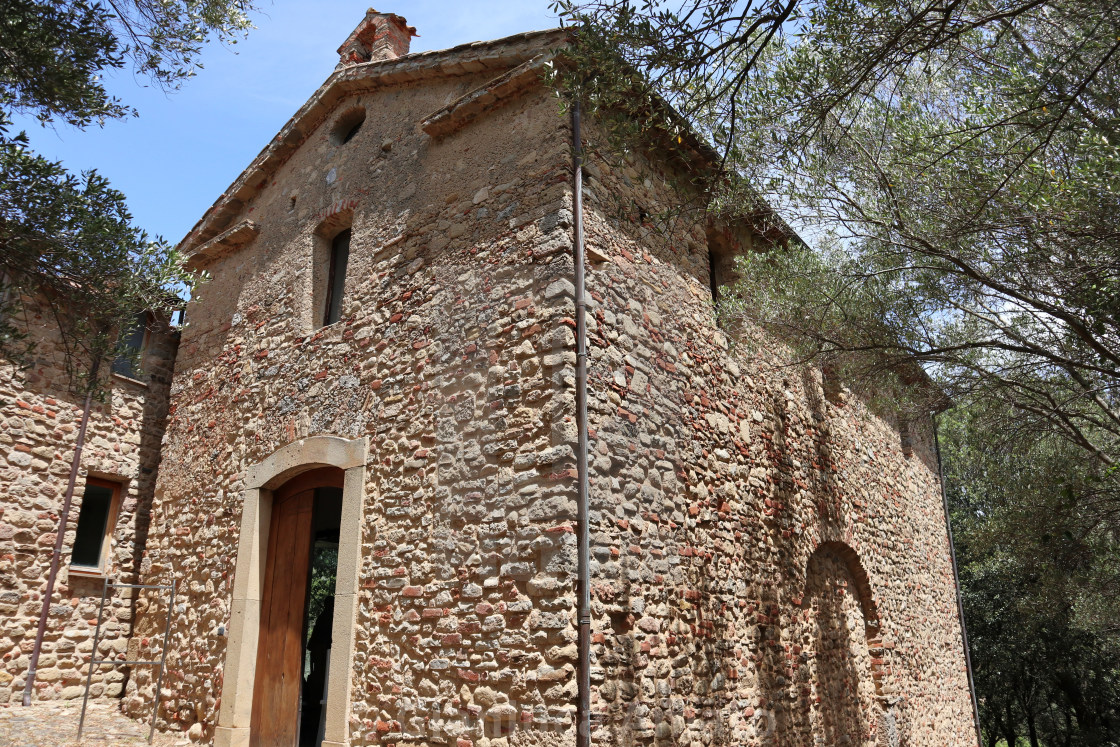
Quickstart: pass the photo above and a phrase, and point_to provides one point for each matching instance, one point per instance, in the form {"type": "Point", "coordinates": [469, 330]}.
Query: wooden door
{"type": "Point", "coordinates": [276, 692]}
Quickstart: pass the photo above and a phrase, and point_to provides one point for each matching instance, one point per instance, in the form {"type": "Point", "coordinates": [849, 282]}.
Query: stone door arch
{"type": "Point", "coordinates": [842, 636]}
{"type": "Point", "coordinates": [235, 715]}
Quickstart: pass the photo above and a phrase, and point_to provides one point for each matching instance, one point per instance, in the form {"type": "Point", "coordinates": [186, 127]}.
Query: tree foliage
{"type": "Point", "coordinates": [53, 54]}
{"type": "Point", "coordinates": [952, 165]}
{"type": "Point", "coordinates": [68, 243]}
{"type": "Point", "coordinates": [66, 240]}
{"type": "Point", "coordinates": [1041, 577]}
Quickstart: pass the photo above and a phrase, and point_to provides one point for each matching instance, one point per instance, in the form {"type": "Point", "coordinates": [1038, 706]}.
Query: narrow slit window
{"type": "Point", "coordinates": [95, 524]}
{"type": "Point", "coordinates": [715, 278]}
{"type": "Point", "coordinates": [336, 277]}
{"type": "Point", "coordinates": [6, 297]}
{"type": "Point", "coordinates": [722, 276]}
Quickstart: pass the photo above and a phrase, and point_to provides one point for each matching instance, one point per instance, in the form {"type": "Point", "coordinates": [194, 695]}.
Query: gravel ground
{"type": "Point", "coordinates": [55, 724]}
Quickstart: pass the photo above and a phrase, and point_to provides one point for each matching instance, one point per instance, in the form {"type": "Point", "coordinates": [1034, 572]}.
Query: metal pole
{"type": "Point", "coordinates": [957, 585]}
{"type": "Point", "coordinates": [583, 530]}
{"type": "Point", "coordinates": [162, 661]}
{"type": "Point", "coordinates": [93, 655]}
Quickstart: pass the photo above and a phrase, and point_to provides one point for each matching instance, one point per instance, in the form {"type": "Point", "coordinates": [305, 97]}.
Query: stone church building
{"type": "Point", "coordinates": [368, 456]}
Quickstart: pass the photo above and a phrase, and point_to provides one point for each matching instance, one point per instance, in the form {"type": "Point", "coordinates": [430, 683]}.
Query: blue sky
{"type": "Point", "coordinates": [186, 147]}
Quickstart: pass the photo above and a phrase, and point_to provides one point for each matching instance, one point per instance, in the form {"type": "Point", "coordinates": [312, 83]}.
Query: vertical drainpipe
{"type": "Point", "coordinates": [583, 709]}
{"type": "Point", "coordinates": [957, 584]}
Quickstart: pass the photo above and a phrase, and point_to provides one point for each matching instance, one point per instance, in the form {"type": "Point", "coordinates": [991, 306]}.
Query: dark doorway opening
{"type": "Point", "coordinates": [318, 618]}
{"type": "Point", "coordinates": [297, 609]}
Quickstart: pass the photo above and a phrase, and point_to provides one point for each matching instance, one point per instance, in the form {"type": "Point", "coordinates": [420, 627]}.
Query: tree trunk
{"type": "Point", "coordinates": [1032, 731]}
{"type": "Point", "coordinates": [1089, 722]}
{"type": "Point", "coordinates": [1009, 734]}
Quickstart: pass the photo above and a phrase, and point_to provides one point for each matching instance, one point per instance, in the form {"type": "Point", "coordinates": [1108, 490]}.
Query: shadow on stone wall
{"type": "Point", "coordinates": [841, 625]}
{"type": "Point", "coordinates": [670, 679]}
{"type": "Point", "coordinates": [837, 679]}
{"type": "Point", "coordinates": [151, 440]}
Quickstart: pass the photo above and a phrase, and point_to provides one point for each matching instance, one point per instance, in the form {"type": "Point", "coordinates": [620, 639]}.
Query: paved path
{"type": "Point", "coordinates": [55, 724]}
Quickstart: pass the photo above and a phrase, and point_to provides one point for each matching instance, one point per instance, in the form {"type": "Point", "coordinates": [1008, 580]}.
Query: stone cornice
{"type": "Point", "coordinates": [224, 243]}
{"type": "Point", "coordinates": [483, 99]}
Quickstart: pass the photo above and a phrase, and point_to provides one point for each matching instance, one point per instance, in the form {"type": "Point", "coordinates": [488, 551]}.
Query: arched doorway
{"type": "Point", "coordinates": [842, 618]}
{"type": "Point", "coordinates": [297, 607]}
{"type": "Point", "coordinates": [287, 472]}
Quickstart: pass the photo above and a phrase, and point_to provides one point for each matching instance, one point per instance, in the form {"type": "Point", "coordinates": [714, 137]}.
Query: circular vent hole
{"type": "Point", "coordinates": [347, 126]}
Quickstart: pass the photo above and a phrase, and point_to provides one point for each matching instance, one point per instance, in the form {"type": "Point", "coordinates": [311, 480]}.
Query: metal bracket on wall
{"type": "Point", "coordinates": [161, 662]}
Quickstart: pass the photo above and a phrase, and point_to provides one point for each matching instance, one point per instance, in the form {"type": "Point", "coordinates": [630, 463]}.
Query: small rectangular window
{"type": "Point", "coordinates": [95, 524]}
{"type": "Point", "coordinates": [336, 277]}
{"type": "Point", "coordinates": [906, 437]}
{"type": "Point", "coordinates": [134, 340]}
{"type": "Point", "coordinates": [723, 246]}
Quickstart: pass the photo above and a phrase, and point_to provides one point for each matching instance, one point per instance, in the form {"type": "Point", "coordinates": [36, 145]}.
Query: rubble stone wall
{"type": "Point", "coordinates": [455, 355]}
{"type": "Point", "coordinates": [769, 565]}
{"type": "Point", "coordinates": [39, 420]}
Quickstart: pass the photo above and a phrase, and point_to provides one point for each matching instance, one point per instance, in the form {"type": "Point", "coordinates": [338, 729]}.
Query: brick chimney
{"type": "Point", "coordinates": [380, 36]}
